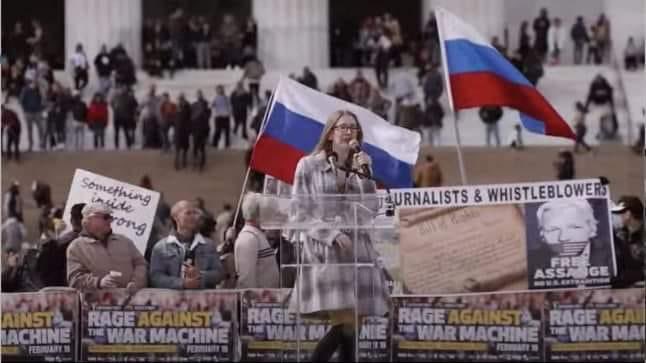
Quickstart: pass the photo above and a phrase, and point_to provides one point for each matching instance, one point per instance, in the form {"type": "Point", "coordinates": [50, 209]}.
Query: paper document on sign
{"type": "Point", "coordinates": [463, 249]}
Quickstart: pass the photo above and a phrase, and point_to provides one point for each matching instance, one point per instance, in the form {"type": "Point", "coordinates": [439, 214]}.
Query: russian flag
{"type": "Point", "coordinates": [480, 76]}
{"type": "Point", "coordinates": [294, 123]}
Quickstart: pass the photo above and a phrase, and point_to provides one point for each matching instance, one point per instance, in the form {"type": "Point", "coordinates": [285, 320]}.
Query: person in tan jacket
{"type": "Point", "coordinates": [428, 173]}
{"type": "Point", "coordinates": [100, 259]}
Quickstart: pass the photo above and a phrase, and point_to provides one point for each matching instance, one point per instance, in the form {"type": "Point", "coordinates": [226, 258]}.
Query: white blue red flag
{"type": "Point", "coordinates": [294, 124]}
{"type": "Point", "coordinates": [480, 76]}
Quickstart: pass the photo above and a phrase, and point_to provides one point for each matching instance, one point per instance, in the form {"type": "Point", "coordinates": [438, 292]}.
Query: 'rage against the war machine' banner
{"type": "Point", "coordinates": [474, 328]}
{"type": "Point", "coordinates": [159, 325]}
{"type": "Point", "coordinates": [270, 332]}
{"type": "Point", "coordinates": [510, 236]}
{"type": "Point", "coordinates": [595, 326]}
{"type": "Point", "coordinates": [40, 326]}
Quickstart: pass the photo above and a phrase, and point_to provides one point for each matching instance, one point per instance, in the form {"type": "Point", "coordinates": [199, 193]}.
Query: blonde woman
{"type": "Point", "coordinates": [327, 290]}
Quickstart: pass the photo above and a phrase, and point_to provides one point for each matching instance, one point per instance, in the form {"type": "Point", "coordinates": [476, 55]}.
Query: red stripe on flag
{"type": "Point", "coordinates": [275, 158]}
{"type": "Point", "coordinates": [476, 89]}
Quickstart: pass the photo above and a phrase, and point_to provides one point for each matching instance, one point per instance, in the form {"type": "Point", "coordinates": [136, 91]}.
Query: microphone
{"type": "Point", "coordinates": [332, 158]}
{"type": "Point", "coordinates": [356, 147]}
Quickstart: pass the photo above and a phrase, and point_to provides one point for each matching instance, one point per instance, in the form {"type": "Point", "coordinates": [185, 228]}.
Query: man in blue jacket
{"type": "Point", "coordinates": [185, 259]}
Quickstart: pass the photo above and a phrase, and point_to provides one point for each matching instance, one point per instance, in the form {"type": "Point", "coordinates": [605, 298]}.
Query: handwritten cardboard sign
{"type": "Point", "coordinates": [133, 207]}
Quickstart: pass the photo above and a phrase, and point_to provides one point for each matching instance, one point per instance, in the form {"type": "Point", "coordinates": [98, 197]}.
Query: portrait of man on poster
{"type": "Point", "coordinates": [570, 246]}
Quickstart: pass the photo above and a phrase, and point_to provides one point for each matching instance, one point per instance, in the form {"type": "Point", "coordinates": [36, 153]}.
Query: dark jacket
{"type": "Point", "coordinates": [240, 104]}
{"type": "Point", "coordinates": [10, 121]}
{"type": "Point", "coordinates": [52, 261]}
{"type": "Point", "coordinates": [310, 80]}
{"type": "Point", "coordinates": [24, 277]}
{"type": "Point", "coordinates": [433, 85]}
{"type": "Point", "coordinates": [200, 115]}
{"type": "Point", "coordinates": [630, 253]}
{"type": "Point", "coordinates": [125, 107]}
{"type": "Point", "coordinates": [600, 92]}
{"type": "Point", "coordinates": [579, 33]}
{"type": "Point", "coordinates": [103, 64]}
{"type": "Point", "coordinates": [433, 115]}
{"type": "Point", "coordinates": [490, 114]}
{"type": "Point", "coordinates": [79, 110]}
{"type": "Point", "coordinates": [31, 100]}
{"type": "Point", "coordinates": [183, 125]}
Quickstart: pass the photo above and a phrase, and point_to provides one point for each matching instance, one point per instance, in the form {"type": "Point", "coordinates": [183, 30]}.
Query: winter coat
{"type": "Point", "coordinates": [327, 287]}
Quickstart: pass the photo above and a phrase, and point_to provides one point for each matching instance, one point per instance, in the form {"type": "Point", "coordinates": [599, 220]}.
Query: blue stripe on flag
{"type": "Point", "coordinates": [532, 124]}
{"type": "Point", "coordinates": [464, 56]}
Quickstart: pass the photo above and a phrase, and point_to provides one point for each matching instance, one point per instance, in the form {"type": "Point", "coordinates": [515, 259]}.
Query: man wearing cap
{"type": "Point", "coordinates": [100, 259]}
{"type": "Point", "coordinates": [629, 241]}
{"type": "Point", "coordinates": [185, 259]}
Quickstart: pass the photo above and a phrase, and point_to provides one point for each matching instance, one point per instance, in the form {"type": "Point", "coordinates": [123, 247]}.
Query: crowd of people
{"type": "Point", "coordinates": [31, 263]}
{"type": "Point", "coordinates": [189, 247]}
{"type": "Point", "coordinates": [188, 41]}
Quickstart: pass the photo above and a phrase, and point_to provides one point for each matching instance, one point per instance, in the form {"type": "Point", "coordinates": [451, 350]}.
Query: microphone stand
{"type": "Point", "coordinates": [389, 205]}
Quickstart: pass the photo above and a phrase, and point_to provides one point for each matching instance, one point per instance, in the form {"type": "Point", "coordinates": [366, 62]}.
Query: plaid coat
{"type": "Point", "coordinates": [326, 287]}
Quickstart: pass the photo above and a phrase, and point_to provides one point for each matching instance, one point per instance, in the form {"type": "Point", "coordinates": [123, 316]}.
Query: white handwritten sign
{"type": "Point", "coordinates": [133, 207]}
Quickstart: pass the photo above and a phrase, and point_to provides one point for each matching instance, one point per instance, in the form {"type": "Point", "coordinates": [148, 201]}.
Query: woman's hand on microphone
{"type": "Point", "coordinates": [361, 158]}
{"type": "Point", "coordinates": [344, 242]}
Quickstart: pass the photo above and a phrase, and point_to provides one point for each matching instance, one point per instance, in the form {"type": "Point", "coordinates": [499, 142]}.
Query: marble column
{"type": "Point", "coordinates": [488, 17]}
{"type": "Point", "coordinates": [293, 33]}
{"type": "Point", "coordinates": [96, 22]}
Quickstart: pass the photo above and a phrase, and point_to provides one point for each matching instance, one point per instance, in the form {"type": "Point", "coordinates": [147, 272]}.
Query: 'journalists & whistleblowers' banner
{"type": "Point", "coordinates": [528, 236]}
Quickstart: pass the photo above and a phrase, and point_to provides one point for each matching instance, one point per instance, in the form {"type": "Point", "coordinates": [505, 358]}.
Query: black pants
{"type": "Point", "coordinates": [222, 124]}
{"type": "Point", "coordinates": [180, 156]}
{"type": "Point", "coordinates": [240, 120]}
{"type": "Point", "coordinates": [631, 63]}
{"type": "Point", "coordinates": [13, 141]}
{"type": "Point", "coordinates": [164, 129]}
{"type": "Point", "coordinates": [80, 78]}
{"type": "Point", "coordinates": [128, 132]}
{"type": "Point", "coordinates": [580, 141]}
{"type": "Point", "coordinates": [99, 138]}
{"type": "Point", "coordinates": [381, 68]}
{"type": "Point", "coordinates": [61, 134]}
{"type": "Point", "coordinates": [335, 339]}
{"type": "Point", "coordinates": [199, 151]}
{"type": "Point", "coordinates": [254, 89]}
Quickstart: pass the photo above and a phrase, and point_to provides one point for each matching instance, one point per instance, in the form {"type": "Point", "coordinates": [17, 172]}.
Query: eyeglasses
{"type": "Point", "coordinates": [346, 128]}
{"type": "Point", "coordinates": [105, 217]}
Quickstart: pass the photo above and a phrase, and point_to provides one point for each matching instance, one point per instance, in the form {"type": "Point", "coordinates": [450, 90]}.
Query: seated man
{"type": "Point", "coordinates": [100, 259]}
{"type": "Point", "coordinates": [185, 259]}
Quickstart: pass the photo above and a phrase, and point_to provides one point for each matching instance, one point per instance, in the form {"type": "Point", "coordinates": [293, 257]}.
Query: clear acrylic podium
{"type": "Point", "coordinates": [332, 283]}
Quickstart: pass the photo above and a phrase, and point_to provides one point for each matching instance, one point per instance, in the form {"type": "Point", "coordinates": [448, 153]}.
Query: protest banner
{"type": "Point", "coordinates": [595, 326]}
{"type": "Point", "coordinates": [270, 332]}
{"type": "Point", "coordinates": [511, 236]}
{"type": "Point", "coordinates": [40, 326]}
{"type": "Point", "coordinates": [474, 328]}
{"type": "Point", "coordinates": [159, 325]}
{"type": "Point", "coordinates": [133, 207]}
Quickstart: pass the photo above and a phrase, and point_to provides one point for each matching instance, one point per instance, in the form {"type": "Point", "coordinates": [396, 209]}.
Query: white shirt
{"type": "Point", "coordinates": [78, 59]}
{"type": "Point", "coordinates": [556, 38]}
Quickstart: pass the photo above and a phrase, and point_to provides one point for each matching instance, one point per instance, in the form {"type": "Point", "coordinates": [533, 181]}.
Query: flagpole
{"type": "Point", "coordinates": [445, 69]}
{"type": "Point", "coordinates": [270, 105]}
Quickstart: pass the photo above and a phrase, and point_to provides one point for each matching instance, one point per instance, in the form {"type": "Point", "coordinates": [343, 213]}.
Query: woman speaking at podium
{"type": "Point", "coordinates": [323, 288]}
